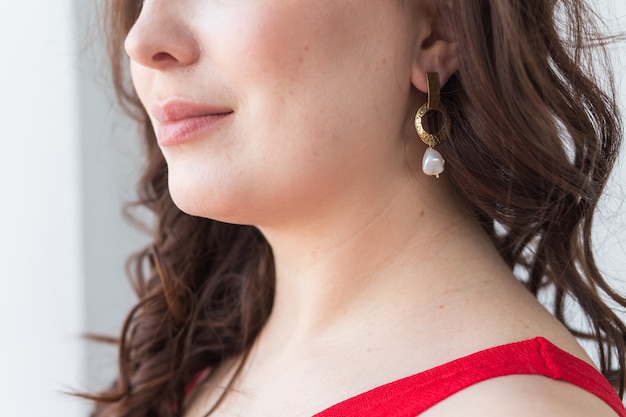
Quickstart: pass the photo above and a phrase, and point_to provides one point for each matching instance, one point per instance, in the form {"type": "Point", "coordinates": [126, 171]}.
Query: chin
{"type": "Point", "coordinates": [209, 202]}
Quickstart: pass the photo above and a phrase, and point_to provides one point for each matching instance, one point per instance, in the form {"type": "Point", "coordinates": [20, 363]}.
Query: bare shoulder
{"type": "Point", "coordinates": [522, 396]}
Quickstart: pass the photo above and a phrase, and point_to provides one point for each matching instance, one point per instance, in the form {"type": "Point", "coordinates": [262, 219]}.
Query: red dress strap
{"type": "Point", "coordinates": [199, 376]}
{"type": "Point", "coordinates": [408, 397]}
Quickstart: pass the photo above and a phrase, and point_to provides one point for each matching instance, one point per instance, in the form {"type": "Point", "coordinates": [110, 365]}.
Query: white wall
{"type": "Point", "coordinates": [66, 163]}
{"type": "Point", "coordinates": [110, 162]}
{"type": "Point", "coordinates": [65, 166]}
{"type": "Point", "coordinates": [41, 258]}
{"type": "Point", "coordinates": [610, 236]}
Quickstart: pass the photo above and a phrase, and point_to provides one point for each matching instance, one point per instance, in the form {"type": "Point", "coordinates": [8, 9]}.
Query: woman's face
{"type": "Point", "coordinates": [270, 109]}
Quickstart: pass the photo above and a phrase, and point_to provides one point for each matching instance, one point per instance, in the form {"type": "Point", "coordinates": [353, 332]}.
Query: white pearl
{"type": "Point", "coordinates": [433, 162]}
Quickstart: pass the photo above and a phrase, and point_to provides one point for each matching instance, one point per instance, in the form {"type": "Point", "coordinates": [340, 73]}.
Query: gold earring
{"type": "Point", "coordinates": [432, 163]}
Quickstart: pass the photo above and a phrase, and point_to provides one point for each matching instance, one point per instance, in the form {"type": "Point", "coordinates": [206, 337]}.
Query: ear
{"type": "Point", "coordinates": [435, 51]}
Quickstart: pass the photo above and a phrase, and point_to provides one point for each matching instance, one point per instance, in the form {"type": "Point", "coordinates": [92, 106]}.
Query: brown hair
{"type": "Point", "coordinates": [534, 139]}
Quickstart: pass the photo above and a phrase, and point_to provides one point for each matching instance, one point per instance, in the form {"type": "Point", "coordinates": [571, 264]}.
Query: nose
{"type": "Point", "coordinates": [159, 39]}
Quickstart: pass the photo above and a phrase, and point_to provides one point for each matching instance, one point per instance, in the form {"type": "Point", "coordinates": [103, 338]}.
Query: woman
{"type": "Point", "coordinates": [305, 252]}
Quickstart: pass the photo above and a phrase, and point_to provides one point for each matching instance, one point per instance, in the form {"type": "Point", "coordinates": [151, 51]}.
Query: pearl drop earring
{"type": "Point", "coordinates": [432, 163]}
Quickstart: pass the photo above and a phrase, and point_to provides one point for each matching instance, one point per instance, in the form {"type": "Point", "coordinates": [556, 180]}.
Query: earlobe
{"type": "Point", "coordinates": [434, 53]}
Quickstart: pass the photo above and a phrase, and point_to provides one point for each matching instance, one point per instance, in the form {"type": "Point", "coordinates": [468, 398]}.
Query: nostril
{"type": "Point", "coordinates": [163, 56]}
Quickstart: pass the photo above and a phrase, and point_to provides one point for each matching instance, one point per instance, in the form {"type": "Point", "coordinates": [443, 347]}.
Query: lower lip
{"type": "Point", "coordinates": [185, 130]}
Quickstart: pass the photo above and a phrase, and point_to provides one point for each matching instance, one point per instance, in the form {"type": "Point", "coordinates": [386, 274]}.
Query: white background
{"type": "Point", "coordinates": [68, 160]}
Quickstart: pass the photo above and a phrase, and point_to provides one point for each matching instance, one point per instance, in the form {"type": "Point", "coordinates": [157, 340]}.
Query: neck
{"type": "Point", "coordinates": [379, 262]}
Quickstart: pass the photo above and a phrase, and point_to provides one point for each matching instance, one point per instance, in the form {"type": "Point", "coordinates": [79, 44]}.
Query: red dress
{"type": "Point", "coordinates": [408, 397]}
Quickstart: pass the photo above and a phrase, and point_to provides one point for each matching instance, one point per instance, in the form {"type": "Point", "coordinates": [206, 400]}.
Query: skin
{"type": "Point", "coordinates": [375, 261]}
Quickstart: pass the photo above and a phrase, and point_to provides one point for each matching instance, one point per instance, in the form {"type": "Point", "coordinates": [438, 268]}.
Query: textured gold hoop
{"type": "Point", "coordinates": [433, 104]}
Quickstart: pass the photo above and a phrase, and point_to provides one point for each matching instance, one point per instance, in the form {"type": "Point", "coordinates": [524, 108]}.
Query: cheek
{"type": "Point", "coordinates": [308, 124]}
{"type": "Point", "coordinates": [309, 81]}
{"type": "Point", "coordinates": [280, 61]}
{"type": "Point", "coordinates": [280, 43]}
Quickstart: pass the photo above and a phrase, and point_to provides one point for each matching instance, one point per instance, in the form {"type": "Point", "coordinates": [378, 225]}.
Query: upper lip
{"type": "Point", "coordinates": [173, 110]}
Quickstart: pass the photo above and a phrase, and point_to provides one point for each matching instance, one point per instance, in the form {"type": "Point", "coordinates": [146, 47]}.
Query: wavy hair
{"type": "Point", "coordinates": [534, 138]}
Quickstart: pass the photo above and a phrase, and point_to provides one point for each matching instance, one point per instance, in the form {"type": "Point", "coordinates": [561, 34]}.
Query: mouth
{"type": "Point", "coordinates": [180, 121]}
